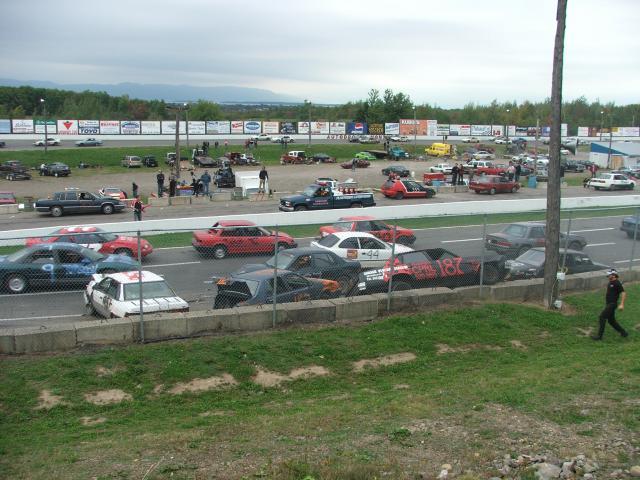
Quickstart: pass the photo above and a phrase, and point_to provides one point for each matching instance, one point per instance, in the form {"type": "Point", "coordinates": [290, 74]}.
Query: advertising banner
{"type": "Point", "coordinates": [271, 127]}
{"type": "Point", "coordinates": [303, 128]}
{"type": "Point", "coordinates": [218, 127]}
{"type": "Point", "coordinates": [320, 128]}
{"type": "Point", "coordinates": [22, 126]}
{"type": "Point", "coordinates": [252, 127]}
{"type": "Point", "coordinates": [408, 127]}
{"type": "Point", "coordinates": [583, 131]}
{"type": "Point", "coordinates": [5, 126]}
{"type": "Point", "coordinates": [376, 129]}
{"type": "Point", "coordinates": [130, 127]}
{"type": "Point", "coordinates": [288, 127]}
{"type": "Point", "coordinates": [109, 127]}
{"type": "Point", "coordinates": [497, 130]}
{"type": "Point", "coordinates": [564, 129]}
{"type": "Point", "coordinates": [169, 127]}
{"type": "Point", "coordinates": [356, 128]}
{"type": "Point", "coordinates": [237, 126]}
{"type": "Point", "coordinates": [545, 131]}
{"type": "Point", "coordinates": [460, 130]}
{"type": "Point", "coordinates": [512, 130]}
{"type": "Point", "coordinates": [337, 128]}
{"type": "Point", "coordinates": [88, 127]}
{"type": "Point", "coordinates": [630, 131]}
{"type": "Point", "coordinates": [432, 128]}
{"type": "Point", "coordinates": [148, 127]}
{"type": "Point", "coordinates": [392, 128]}
{"type": "Point", "coordinates": [197, 128]}
{"type": "Point", "coordinates": [521, 131]}
{"type": "Point", "coordinates": [442, 130]}
{"type": "Point", "coordinates": [52, 126]}
{"type": "Point", "coordinates": [480, 130]}
{"type": "Point", "coordinates": [67, 127]}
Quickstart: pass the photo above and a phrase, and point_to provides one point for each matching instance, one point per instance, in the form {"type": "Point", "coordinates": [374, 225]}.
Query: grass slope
{"type": "Point", "coordinates": [486, 381]}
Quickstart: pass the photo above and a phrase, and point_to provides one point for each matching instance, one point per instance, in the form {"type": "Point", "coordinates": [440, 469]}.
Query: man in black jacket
{"type": "Point", "coordinates": [160, 180]}
{"type": "Point", "coordinates": [615, 292]}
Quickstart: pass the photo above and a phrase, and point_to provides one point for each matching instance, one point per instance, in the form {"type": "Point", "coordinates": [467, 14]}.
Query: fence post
{"type": "Point", "coordinates": [566, 243]}
{"type": "Point", "coordinates": [635, 235]}
{"type": "Point", "coordinates": [393, 262]}
{"type": "Point", "coordinates": [484, 242]}
{"type": "Point", "coordinates": [275, 281]}
{"type": "Point", "coordinates": [141, 300]}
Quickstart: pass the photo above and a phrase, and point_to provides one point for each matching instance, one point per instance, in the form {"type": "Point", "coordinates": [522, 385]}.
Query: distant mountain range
{"type": "Point", "coordinates": [168, 93]}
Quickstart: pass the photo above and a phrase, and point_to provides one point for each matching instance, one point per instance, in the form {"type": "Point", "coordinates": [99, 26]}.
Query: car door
{"type": "Point", "coordinates": [103, 295]}
{"type": "Point", "coordinates": [324, 266]}
{"type": "Point", "coordinates": [537, 236]}
{"type": "Point", "coordinates": [348, 248]}
{"type": "Point", "coordinates": [71, 203]}
{"type": "Point", "coordinates": [40, 267]}
{"type": "Point", "coordinates": [87, 203]}
{"type": "Point", "coordinates": [74, 267]}
{"type": "Point", "coordinates": [234, 240]}
{"type": "Point", "coordinates": [380, 230]}
{"type": "Point", "coordinates": [294, 288]}
{"type": "Point", "coordinates": [89, 240]}
{"type": "Point", "coordinates": [373, 252]}
{"type": "Point", "coordinates": [258, 241]}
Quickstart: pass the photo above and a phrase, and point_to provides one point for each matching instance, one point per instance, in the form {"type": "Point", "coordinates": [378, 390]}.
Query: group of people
{"type": "Point", "coordinates": [457, 175]}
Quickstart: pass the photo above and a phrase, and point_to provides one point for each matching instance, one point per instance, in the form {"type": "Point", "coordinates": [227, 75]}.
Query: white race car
{"type": "Point", "coordinates": [118, 295]}
{"type": "Point", "coordinates": [611, 181]}
{"type": "Point", "coordinates": [361, 246]}
{"type": "Point", "coordinates": [441, 167]}
{"type": "Point", "coordinates": [51, 142]}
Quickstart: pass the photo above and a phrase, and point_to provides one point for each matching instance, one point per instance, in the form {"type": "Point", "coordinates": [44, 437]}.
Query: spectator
{"type": "Point", "coordinates": [206, 181]}
{"type": "Point", "coordinates": [615, 292]}
{"type": "Point", "coordinates": [160, 180]}
{"type": "Point", "coordinates": [518, 172]}
{"type": "Point", "coordinates": [216, 144]}
{"type": "Point", "coordinates": [43, 168]}
{"type": "Point", "coordinates": [460, 175]}
{"type": "Point", "coordinates": [454, 174]}
{"type": "Point", "coordinates": [134, 189]}
{"type": "Point", "coordinates": [226, 144]}
{"type": "Point", "coordinates": [511, 171]}
{"type": "Point", "coordinates": [172, 186]}
{"type": "Point", "coordinates": [264, 176]}
{"type": "Point", "coordinates": [138, 208]}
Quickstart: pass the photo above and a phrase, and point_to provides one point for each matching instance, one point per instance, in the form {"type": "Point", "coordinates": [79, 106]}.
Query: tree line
{"type": "Point", "coordinates": [378, 107]}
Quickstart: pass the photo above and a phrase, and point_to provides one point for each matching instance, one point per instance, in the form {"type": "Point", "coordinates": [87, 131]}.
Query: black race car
{"type": "Point", "coordinates": [432, 267]}
{"type": "Point", "coordinates": [399, 170]}
{"type": "Point", "coordinates": [149, 161]}
{"type": "Point", "coordinates": [531, 263]}
{"type": "Point", "coordinates": [56, 169]}
{"type": "Point", "coordinates": [312, 262]}
{"type": "Point", "coordinates": [56, 265]}
{"type": "Point", "coordinates": [78, 201]}
{"type": "Point", "coordinates": [257, 288]}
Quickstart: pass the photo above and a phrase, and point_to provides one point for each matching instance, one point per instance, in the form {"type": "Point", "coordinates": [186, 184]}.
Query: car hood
{"type": "Point", "coordinates": [292, 198]}
{"type": "Point", "coordinates": [113, 258]}
{"type": "Point", "coordinates": [158, 304]}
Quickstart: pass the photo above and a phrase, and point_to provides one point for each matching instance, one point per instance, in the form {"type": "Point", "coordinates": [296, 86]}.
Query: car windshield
{"type": "Point", "coordinates": [328, 241]}
{"type": "Point", "coordinates": [7, 196]}
{"type": "Point", "coordinates": [516, 231]}
{"type": "Point", "coordinates": [158, 289]}
{"type": "Point", "coordinates": [284, 260]}
{"type": "Point", "coordinates": [109, 237]}
{"type": "Point", "coordinates": [310, 191]}
{"type": "Point", "coordinates": [246, 288]}
{"type": "Point", "coordinates": [532, 257]}
{"type": "Point", "coordinates": [412, 186]}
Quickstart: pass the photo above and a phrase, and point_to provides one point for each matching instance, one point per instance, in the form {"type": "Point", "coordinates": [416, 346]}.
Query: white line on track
{"type": "Point", "coordinates": [172, 264]}
{"type": "Point", "coordinates": [462, 240]}
{"type": "Point", "coordinates": [627, 260]}
{"type": "Point", "coordinates": [593, 230]}
{"type": "Point", "coordinates": [600, 244]}
{"type": "Point", "coordinates": [62, 292]}
{"type": "Point", "coordinates": [40, 318]}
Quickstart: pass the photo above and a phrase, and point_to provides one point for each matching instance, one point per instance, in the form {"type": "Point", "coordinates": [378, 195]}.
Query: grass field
{"type": "Point", "coordinates": [396, 398]}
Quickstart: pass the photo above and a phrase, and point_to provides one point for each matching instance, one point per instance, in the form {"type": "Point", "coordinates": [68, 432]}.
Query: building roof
{"type": "Point", "coordinates": [629, 149]}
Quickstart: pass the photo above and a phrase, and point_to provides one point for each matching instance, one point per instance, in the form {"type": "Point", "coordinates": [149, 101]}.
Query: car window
{"type": "Point", "coordinates": [68, 256]}
{"type": "Point", "coordinates": [88, 238]}
{"type": "Point", "coordinates": [349, 243]}
{"type": "Point", "coordinates": [323, 260]}
{"type": "Point", "coordinates": [515, 230]}
{"type": "Point", "coordinates": [296, 282]}
{"type": "Point", "coordinates": [377, 226]}
{"type": "Point", "coordinates": [342, 226]}
{"type": "Point", "coordinates": [112, 289]}
{"type": "Point", "coordinates": [412, 186]}
{"type": "Point", "coordinates": [371, 244]}
{"type": "Point", "coordinates": [158, 289]}
{"type": "Point", "coordinates": [537, 232]}
{"type": "Point", "coordinates": [70, 196]}
{"type": "Point", "coordinates": [363, 226]}
{"type": "Point", "coordinates": [252, 232]}
{"type": "Point", "coordinates": [103, 285]}
{"type": "Point", "coordinates": [229, 232]}
{"type": "Point", "coordinates": [328, 241]}
{"type": "Point", "coordinates": [66, 238]}
{"type": "Point", "coordinates": [414, 257]}
{"type": "Point", "coordinates": [303, 261]}
{"type": "Point", "coordinates": [282, 287]}
{"type": "Point", "coordinates": [40, 257]}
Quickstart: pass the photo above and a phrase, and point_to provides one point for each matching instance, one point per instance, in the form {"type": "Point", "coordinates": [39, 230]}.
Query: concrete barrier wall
{"type": "Point", "coordinates": [245, 319]}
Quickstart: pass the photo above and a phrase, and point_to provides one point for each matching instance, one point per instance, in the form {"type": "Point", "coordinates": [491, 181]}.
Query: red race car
{"type": "Point", "coordinates": [239, 236]}
{"type": "Point", "coordinates": [400, 188]}
{"type": "Point", "coordinates": [493, 184]}
{"type": "Point", "coordinates": [360, 163]}
{"type": "Point", "coordinates": [370, 225]}
{"type": "Point", "coordinates": [96, 239]}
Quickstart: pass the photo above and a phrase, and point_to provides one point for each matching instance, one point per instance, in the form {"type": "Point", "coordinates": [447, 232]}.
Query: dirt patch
{"type": "Point", "coordinates": [91, 421]}
{"type": "Point", "coordinates": [586, 332]}
{"type": "Point", "coordinates": [107, 397]}
{"type": "Point", "coordinates": [443, 348]}
{"type": "Point", "coordinates": [266, 378]}
{"type": "Point", "coordinates": [203, 384]}
{"type": "Point", "coordinates": [217, 413]}
{"type": "Point", "coordinates": [107, 372]}
{"type": "Point", "coordinates": [518, 344]}
{"type": "Point", "coordinates": [47, 400]}
{"type": "Point", "coordinates": [637, 327]}
{"type": "Point", "coordinates": [384, 361]}
{"type": "Point", "coordinates": [401, 386]}
{"type": "Point", "coordinates": [544, 334]}
{"type": "Point", "coordinates": [158, 389]}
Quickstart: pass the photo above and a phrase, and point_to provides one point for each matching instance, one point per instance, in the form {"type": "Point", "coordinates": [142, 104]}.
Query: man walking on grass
{"type": "Point", "coordinates": [615, 292]}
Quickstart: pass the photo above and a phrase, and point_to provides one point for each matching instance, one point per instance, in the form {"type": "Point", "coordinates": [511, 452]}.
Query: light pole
{"type": "Point", "coordinates": [309, 140]}
{"type": "Point", "coordinates": [610, 139]}
{"type": "Point", "coordinates": [415, 132]}
{"type": "Point", "coordinates": [186, 112]}
{"type": "Point", "coordinates": [44, 113]}
{"type": "Point", "coordinates": [601, 123]}
{"type": "Point", "coordinates": [507, 128]}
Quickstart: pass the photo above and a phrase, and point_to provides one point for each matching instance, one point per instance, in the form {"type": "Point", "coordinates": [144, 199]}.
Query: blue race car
{"type": "Point", "coordinates": [57, 265]}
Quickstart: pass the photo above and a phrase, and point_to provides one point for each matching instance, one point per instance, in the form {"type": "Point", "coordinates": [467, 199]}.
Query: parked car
{"type": "Point", "coordinates": [482, 155]}
{"type": "Point", "coordinates": [264, 137]}
{"type": "Point", "coordinates": [517, 238]}
{"type": "Point", "coordinates": [51, 142]}
{"type": "Point", "coordinates": [239, 237]}
{"type": "Point", "coordinates": [441, 167]}
{"type": "Point", "coordinates": [368, 139]}
{"type": "Point", "coordinates": [96, 239]}
{"type": "Point", "coordinates": [282, 139]}
{"type": "Point", "coordinates": [470, 140]}
{"type": "Point", "coordinates": [365, 223]}
{"type": "Point", "coordinates": [493, 184]}
{"type": "Point", "coordinates": [312, 263]}
{"type": "Point", "coordinates": [225, 178]}
{"type": "Point", "coordinates": [472, 165]}
{"type": "Point", "coordinates": [399, 138]}
{"type": "Point", "coordinates": [131, 161]}
{"type": "Point", "coordinates": [365, 156]}
{"type": "Point", "coordinates": [149, 161]}
{"type": "Point", "coordinates": [360, 163]}
{"type": "Point", "coordinates": [14, 170]}
{"type": "Point", "coordinates": [2, 144]}
{"type": "Point", "coordinates": [323, 158]}
{"type": "Point", "coordinates": [89, 142]}
{"type": "Point", "coordinates": [76, 201]}
{"type": "Point", "coordinates": [55, 169]}
{"type": "Point", "coordinates": [118, 295]}
{"type": "Point", "coordinates": [631, 226]}
{"type": "Point", "coordinates": [502, 141]}
{"type": "Point", "coordinates": [113, 192]}
{"type": "Point", "coordinates": [364, 247]}
{"type": "Point", "coordinates": [396, 153]}
{"type": "Point", "coordinates": [257, 288]}
{"type": "Point", "coordinates": [406, 188]}
{"type": "Point", "coordinates": [573, 166]}
{"type": "Point", "coordinates": [399, 170]}
{"type": "Point", "coordinates": [7, 198]}
{"type": "Point", "coordinates": [432, 267]}
{"type": "Point", "coordinates": [611, 181]}
{"type": "Point", "coordinates": [57, 265]}
{"type": "Point", "coordinates": [531, 263]}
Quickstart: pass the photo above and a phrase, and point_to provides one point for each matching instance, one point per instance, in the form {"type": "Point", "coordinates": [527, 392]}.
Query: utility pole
{"type": "Point", "coordinates": [309, 141]}
{"type": "Point", "coordinates": [176, 164]}
{"type": "Point", "coordinates": [552, 240]}
{"type": "Point", "coordinates": [610, 140]}
{"type": "Point", "coordinates": [415, 132]}
{"type": "Point", "coordinates": [44, 113]}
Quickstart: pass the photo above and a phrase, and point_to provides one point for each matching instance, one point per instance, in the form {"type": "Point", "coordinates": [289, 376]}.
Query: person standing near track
{"type": "Point", "coordinates": [615, 292]}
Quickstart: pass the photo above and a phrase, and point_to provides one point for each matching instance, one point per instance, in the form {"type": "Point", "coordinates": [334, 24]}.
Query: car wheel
{"type": "Point", "coordinates": [491, 275]}
{"type": "Point", "coordinates": [16, 283]}
{"type": "Point", "coordinates": [300, 208]}
{"type": "Point", "coordinates": [89, 308]}
{"type": "Point", "coordinates": [400, 285]}
{"type": "Point", "coordinates": [11, 178]}
{"type": "Point", "coordinates": [399, 196]}
{"type": "Point", "coordinates": [219, 252]}
{"type": "Point", "coordinates": [56, 211]}
{"type": "Point", "coordinates": [477, 191]}
{"type": "Point", "coordinates": [124, 251]}
{"type": "Point", "coordinates": [107, 209]}
{"type": "Point", "coordinates": [492, 191]}
{"type": "Point", "coordinates": [346, 284]}
{"type": "Point", "coordinates": [514, 189]}
{"type": "Point", "coordinates": [575, 246]}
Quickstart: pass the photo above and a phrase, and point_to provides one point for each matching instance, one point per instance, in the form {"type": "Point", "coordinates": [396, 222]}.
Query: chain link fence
{"type": "Point", "coordinates": [87, 273]}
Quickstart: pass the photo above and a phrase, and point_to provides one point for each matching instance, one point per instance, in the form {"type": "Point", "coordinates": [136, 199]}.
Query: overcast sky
{"type": "Point", "coordinates": [445, 52]}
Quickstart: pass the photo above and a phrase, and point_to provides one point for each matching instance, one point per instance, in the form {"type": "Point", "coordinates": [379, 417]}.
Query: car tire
{"type": "Point", "coordinates": [107, 209]}
{"type": "Point", "coordinates": [492, 191]}
{"type": "Point", "coordinates": [357, 205]}
{"type": "Point", "coordinates": [89, 309]}
{"type": "Point", "coordinates": [16, 283]}
{"type": "Point", "coordinates": [477, 191]}
{"type": "Point", "coordinates": [490, 275]}
{"type": "Point", "coordinates": [124, 251]}
{"type": "Point", "coordinates": [400, 285]}
{"type": "Point", "coordinates": [56, 211]}
{"type": "Point", "coordinates": [219, 252]}
{"type": "Point", "coordinates": [399, 196]}
{"type": "Point", "coordinates": [575, 246]}
{"type": "Point", "coordinates": [514, 189]}
{"type": "Point", "coordinates": [299, 208]}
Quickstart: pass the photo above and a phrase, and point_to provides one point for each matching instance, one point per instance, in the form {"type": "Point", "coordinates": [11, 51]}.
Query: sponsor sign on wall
{"type": "Point", "coordinates": [197, 128]}
{"type": "Point", "coordinates": [337, 128]}
{"type": "Point", "coordinates": [218, 127]}
{"type": "Point", "coordinates": [130, 127]}
{"type": "Point", "coordinates": [392, 128]}
{"type": "Point", "coordinates": [376, 129]}
{"type": "Point", "coordinates": [356, 128]}
{"type": "Point", "coordinates": [252, 127]}
{"type": "Point", "coordinates": [52, 126]}
{"type": "Point", "coordinates": [88, 127]}
{"type": "Point", "coordinates": [432, 128]}
{"type": "Point", "coordinates": [583, 131]}
{"type": "Point", "coordinates": [630, 131]}
{"type": "Point", "coordinates": [497, 130]}
{"type": "Point", "coordinates": [169, 127]}
{"type": "Point", "coordinates": [303, 128]}
{"type": "Point", "coordinates": [109, 127]}
{"type": "Point", "coordinates": [67, 127]}
{"type": "Point", "coordinates": [149, 127]}
{"type": "Point", "coordinates": [564, 129]}
{"type": "Point", "coordinates": [22, 126]}
{"type": "Point", "coordinates": [409, 126]}
{"type": "Point", "coordinates": [442, 130]}
{"type": "Point", "coordinates": [288, 127]}
{"type": "Point", "coordinates": [271, 127]}
{"type": "Point", "coordinates": [5, 126]}
{"type": "Point", "coordinates": [480, 130]}
{"type": "Point", "coordinates": [237, 126]}
{"type": "Point", "coordinates": [320, 128]}
{"type": "Point", "coordinates": [460, 130]}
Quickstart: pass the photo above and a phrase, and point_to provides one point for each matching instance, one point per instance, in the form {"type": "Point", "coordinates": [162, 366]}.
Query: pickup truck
{"type": "Point", "coordinates": [295, 156]}
{"type": "Point", "coordinates": [397, 153]}
{"type": "Point", "coordinates": [322, 197]}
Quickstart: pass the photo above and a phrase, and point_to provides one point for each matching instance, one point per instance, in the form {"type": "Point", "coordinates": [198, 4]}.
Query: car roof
{"type": "Point", "coordinates": [567, 250]}
{"type": "Point", "coordinates": [233, 223]}
{"type": "Point", "coordinates": [529, 224]}
{"type": "Point", "coordinates": [78, 229]}
{"type": "Point", "coordinates": [354, 218]}
{"type": "Point", "coordinates": [57, 246]}
{"type": "Point", "coordinates": [303, 251]}
{"type": "Point", "coordinates": [133, 277]}
{"type": "Point", "coordinates": [258, 275]}
{"type": "Point", "coordinates": [342, 235]}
